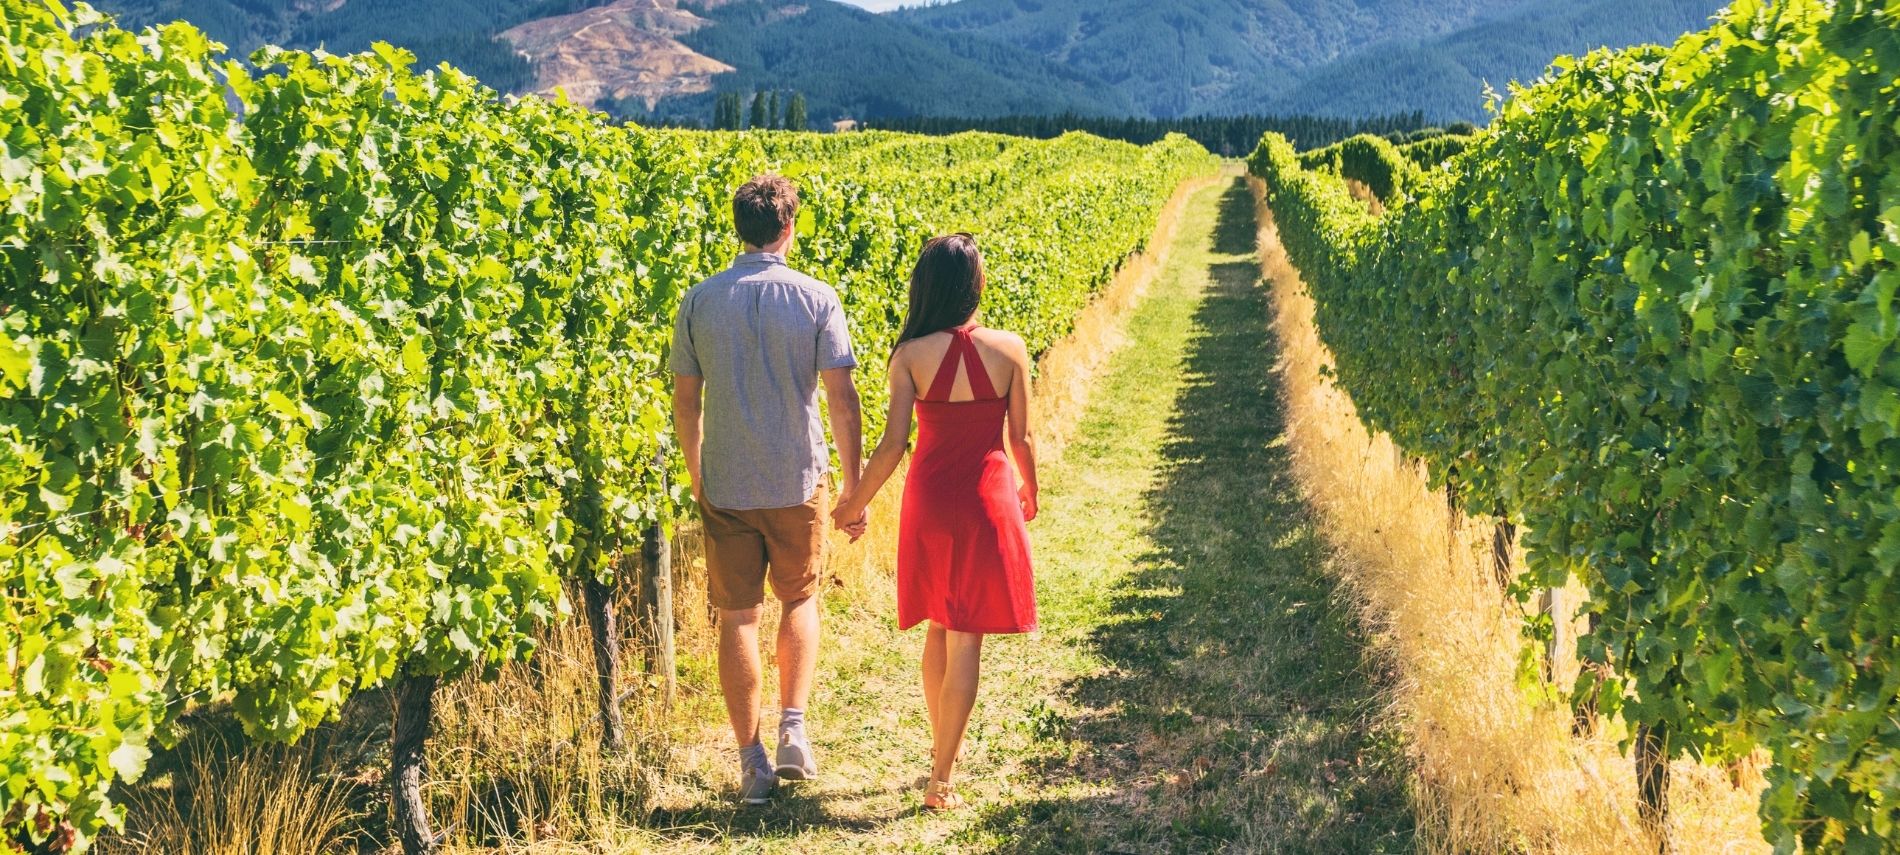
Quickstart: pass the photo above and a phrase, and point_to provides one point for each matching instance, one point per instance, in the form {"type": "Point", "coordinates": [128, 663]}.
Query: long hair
{"type": "Point", "coordinates": [945, 287]}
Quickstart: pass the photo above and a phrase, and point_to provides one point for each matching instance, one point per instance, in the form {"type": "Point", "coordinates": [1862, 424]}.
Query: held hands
{"type": "Point", "coordinates": [851, 516]}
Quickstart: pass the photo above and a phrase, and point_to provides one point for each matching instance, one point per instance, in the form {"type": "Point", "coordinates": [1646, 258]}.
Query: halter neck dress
{"type": "Point", "coordinates": [963, 551]}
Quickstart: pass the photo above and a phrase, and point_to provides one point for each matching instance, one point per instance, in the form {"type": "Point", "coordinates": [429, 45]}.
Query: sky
{"type": "Point", "coordinates": [882, 5]}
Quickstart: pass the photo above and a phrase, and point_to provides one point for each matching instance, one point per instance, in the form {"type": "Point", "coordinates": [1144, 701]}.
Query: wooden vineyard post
{"type": "Point", "coordinates": [1503, 539]}
{"type": "Point", "coordinates": [1584, 718]}
{"type": "Point", "coordinates": [1451, 521]}
{"type": "Point", "coordinates": [1551, 603]}
{"type": "Point", "coordinates": [1652, 781]}
{"type": "Point", "coordinates": [415, 712]}
{"type": "Point", "coordinates": [599, 597]}
{"type": "Point", "coordinates": [654, 626]}
{"type": "Point", "coordinates": [1549, 600]}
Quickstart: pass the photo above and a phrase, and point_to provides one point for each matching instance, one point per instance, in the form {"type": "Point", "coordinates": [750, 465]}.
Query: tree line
{"type": "Point", "coordinates": [1226, 135]}
{"type": "Point", "coordinates": [768, 111]}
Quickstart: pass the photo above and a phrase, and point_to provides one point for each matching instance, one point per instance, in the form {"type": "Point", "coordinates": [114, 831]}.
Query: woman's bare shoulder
{"type": "Point", "coordinates": [1002, 341]}
{"type": "Point", "coordinates": [998, 338]}
{"type": "Point", "coordinates": [908, 350]}
{"type": "Point", "coordinates": [901, 354]}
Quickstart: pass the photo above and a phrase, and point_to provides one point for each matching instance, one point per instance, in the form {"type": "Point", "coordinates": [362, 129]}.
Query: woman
{"type": "Point", "coordinates": [963, 551]}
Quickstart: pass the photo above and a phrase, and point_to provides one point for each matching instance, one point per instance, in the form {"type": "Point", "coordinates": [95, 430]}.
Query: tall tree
{"type": "Point", "coordinates": [772, 112]}
{"type": "Point", "coordinates": [729, 112]}
{"type": "Point", "coordinates": [760, 119]}
{"type": "Point", "coordinates": [795, 116]}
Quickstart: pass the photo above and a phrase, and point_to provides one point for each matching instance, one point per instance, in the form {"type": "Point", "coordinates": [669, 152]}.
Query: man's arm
{"type": "Point", "coordinates": [847, 423]}
{"type": "Point", "coordinates": [852, 512]}
{"type": "Point", "coordinates": [687, 407]}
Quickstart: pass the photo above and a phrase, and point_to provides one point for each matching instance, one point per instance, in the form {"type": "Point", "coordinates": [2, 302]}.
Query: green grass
{"type": "Point", "coordinates": [1198, 685]}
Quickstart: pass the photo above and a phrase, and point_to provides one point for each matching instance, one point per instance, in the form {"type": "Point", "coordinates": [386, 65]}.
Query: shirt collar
{"type": "Point", "coordinates": [766, 258]}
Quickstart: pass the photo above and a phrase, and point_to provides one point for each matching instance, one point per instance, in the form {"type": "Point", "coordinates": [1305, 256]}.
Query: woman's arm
{"type": "Point", "coordinates": [1022, 445]}
{"type": "Point", "coordinates": [889, 453]}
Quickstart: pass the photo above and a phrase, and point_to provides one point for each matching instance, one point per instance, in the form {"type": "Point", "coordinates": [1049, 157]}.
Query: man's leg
{"type": "Point", "coordinates": [735, 561]}
{"type": "Point", "coordinates": [797, 652]}
{"type": "Point", "coordinates": [797, 658]}
{"type": "Point", "coordinates": [795, 544]}
{"type": "Point", "coordinates": [739, 671]}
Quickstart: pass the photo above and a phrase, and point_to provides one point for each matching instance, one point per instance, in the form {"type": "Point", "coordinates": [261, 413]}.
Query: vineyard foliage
{"type": "Point", "coordinates": [322, 370]}
{"type": "Point", "coordinates": [1651, 313]}
{"type": "Point", "coordinates": [1434, 151]}
{"type": "Point", "coordinates": [1370, 160]}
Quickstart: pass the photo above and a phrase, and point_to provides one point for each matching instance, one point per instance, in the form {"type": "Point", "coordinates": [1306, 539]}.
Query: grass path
{"type": "Point", "coordinates": [1196, 685]}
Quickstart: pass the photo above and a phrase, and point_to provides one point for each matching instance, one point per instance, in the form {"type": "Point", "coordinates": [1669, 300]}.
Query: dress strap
{"type": "Point", "coordinates": [962, 352]}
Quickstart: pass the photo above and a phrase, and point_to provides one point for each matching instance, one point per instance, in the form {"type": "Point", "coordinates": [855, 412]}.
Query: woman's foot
{"type": "Point", "coordinates": [940, 796]}
{"type": "Point", "coordinates": [923, 781]}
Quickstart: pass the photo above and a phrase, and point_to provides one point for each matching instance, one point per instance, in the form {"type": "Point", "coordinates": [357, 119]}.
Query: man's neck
{"type": "Point", "coordinates": [777, 249]}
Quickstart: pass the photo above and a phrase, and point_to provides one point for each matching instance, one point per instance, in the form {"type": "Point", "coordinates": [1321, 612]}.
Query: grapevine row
{"type": "Point", "coordinates": [1651, 314]}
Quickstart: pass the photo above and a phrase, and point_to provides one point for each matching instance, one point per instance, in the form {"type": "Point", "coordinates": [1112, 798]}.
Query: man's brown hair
{"type": "Point", "coordinates": [764, 207]}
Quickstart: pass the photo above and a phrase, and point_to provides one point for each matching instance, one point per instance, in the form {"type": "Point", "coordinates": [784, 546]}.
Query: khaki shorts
{"type": "Point", "coordinates": [746, 548]}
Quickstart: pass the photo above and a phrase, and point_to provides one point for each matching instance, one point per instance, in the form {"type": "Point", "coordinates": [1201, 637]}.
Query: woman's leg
{"type": "Point", "coordinates": [963, 654]}
{"type": "Point", "coordinates": [933, 674]}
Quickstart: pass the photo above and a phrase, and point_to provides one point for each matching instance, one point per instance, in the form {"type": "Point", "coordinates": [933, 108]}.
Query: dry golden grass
{"type": "Point", "coordinates": [256, 799]}
{"type": "Point", "coordinates": [1497, 765]}
{"type": "Point", "coordinates": [1363, 192]}
{"type": "Point", "coordinates": [519, 759]}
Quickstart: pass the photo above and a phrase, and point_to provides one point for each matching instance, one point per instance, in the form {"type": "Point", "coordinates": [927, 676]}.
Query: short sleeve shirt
{"type": "Point", "coordinates": [758, 334]}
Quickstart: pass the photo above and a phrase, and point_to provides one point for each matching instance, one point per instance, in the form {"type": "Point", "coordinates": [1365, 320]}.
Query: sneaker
{"type": "Point", "coordinates": [756, 786]}
{"type": "Point", "coordinates": [795, 760]}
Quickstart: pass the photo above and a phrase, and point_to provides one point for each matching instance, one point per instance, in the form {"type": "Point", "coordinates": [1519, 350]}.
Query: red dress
{"type": "Point", "coordinates": [962, 549]}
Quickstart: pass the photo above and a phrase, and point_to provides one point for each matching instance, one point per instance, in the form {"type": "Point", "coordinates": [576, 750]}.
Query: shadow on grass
{"type": "Point", "coordinates": [791, 813]}
{"type": "Point", "coordinates": [1239, 710]}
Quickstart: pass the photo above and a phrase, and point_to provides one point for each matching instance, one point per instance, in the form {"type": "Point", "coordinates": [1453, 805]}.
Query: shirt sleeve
{"type": "Point", "coordinates": [683, 360]}
{"type": "Point", "coordinates": [834, 338]}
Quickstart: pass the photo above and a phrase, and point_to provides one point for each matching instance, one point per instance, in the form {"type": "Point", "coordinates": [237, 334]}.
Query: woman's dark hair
{"type": "Point", "coordinates": [945, 287]}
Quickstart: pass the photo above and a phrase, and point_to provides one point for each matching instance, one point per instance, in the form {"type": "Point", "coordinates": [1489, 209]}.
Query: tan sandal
{"type": "Point", "coordinates": [940, 797]}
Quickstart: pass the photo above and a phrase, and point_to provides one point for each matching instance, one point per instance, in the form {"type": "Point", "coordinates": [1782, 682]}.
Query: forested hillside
{"type": "Point", "coordinates": [849, 62]}
{"type": "Point", "coordinates": [1315, 56]}
{"type": "Point", "coordinates": [459, 32]}
{"type": "Point", "coordinates": [1446, 76]}
{"type": "Point", "coordinates": [1181, 57]}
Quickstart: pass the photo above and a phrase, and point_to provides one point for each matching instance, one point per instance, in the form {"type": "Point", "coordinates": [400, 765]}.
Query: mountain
{"type": "Point", "coordinates": [632, 56]}
{"type": "Point", "coordinates": [1176, 57]}
{"type": "Point", "coordinates": [850, 62]}
{"type": "Point", "coordinates": [459, 32]}
{"type": "Point", "coordinates": [626, 51]}
{"type": "Point", "coordinates": [1329, 57]}
{"type": "Point", "coordinates": [669, 59]}
{"type": "Point", "coordinates": [1446, 76]}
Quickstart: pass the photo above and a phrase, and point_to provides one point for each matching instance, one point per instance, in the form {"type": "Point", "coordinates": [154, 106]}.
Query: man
{"type": "Point", "coordinates": [750, 348]}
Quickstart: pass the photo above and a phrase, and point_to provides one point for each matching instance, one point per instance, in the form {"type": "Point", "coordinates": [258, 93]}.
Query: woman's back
{"type": "Point", "coordinates": [923, 358]}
